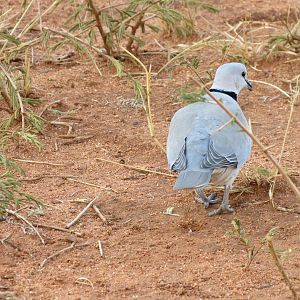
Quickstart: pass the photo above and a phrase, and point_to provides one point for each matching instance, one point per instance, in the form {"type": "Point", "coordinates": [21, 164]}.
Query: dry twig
{"type": "Point", "coordinates": [67, 124]}
{"type": "Point", "coordinates": [72, 246]}
{"type": "Point", "coordinates": [85, 183]}
{"type": "Point", "coordinates": [48, 106]}
{"type": "Point", "coordinates": [74, 221]}
{"type": "Point", "coordinates": [57, 228]}
{"type": "Point", "coordinates": [100, 215]}
{"type": "Point", "coordinates": [100, 248]}
{"type": "Point", "coordinates": [137, 168]}
{"type": "Point", "coordinates": [39, 162]}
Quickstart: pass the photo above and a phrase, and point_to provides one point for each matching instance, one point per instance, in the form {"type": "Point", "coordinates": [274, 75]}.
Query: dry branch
{"type": "Point", "coordinates": [100, 248]}
{"type": "Point", "coordinates": [39, 162]}
{"type": "Point", "coordinates": [48, 106]}
{"type": "Point", "coordinates": [100, 215]}
{"type": "Point", "coordinates": [67, 124]}
{"type": "Point", "coordinates": [57, 228]}
{"type": "Point", "coordinates": [137, 168]}
{"type": "Point", "coordinates": [74, 221]}
{"type": "Point", "coordinates": [85, 183]}
{"type": "Point", "coordinates": [72, 246]}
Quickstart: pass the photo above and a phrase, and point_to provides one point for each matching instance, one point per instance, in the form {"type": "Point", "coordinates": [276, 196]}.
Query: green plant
{"type": "Point", "coordinates": [239, 233]}
{"type": "Point", "coordinates": [189, 94]}
{"type": "Point", "coordinates": [124, 24]}
{"type": "Point", "coordinates": [252, 250]}
{"type": "Point", "coordinates": [21, 122]}
{"type": "Point", "coordinates": [276, 257]}
{"type": "Point", "coordinates": [289, 41]}
{"type": "Point", "coordinates": [11, 194]}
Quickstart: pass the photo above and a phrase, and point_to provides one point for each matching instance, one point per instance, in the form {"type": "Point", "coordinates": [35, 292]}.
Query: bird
{"type": "Point", "coordinates": [205, 145]}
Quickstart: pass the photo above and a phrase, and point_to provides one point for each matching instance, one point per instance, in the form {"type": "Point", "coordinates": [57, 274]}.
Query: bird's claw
{"type": "Point", "coordinates": [221, 209]}
{"type": "Point", "coordinates": [211, 199]}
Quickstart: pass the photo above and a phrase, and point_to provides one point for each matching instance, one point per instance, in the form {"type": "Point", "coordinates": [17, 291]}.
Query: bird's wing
{"type": "Point", "coordinates": [195, 129]}
{"type": "Point", "coordinates": [219, 157]}
{"type": "Point", "coordinates": [181, 126]}
{"type": "Point", "coordinates": [180, 162]}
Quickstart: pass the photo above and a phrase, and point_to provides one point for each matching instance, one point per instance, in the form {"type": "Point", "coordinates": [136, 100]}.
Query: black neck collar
{"type": "Point", "coordinates": [233, 95]}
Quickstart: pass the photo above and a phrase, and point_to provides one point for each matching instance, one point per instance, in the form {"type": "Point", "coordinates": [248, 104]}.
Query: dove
{"type": "Point", "coordinates": [204, 145]}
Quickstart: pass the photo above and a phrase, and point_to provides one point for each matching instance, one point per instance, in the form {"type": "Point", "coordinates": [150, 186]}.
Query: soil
{"type": "Point", "coordinates": [146, 253]}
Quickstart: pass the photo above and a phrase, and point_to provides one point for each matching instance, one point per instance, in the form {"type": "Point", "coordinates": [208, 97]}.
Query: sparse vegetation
{"type": "Point", "coordinates": [150, 44]}
{"type": "Point", "coordinates": [252, 251]}
{"type": "Point", "coordinates": [11, 194]}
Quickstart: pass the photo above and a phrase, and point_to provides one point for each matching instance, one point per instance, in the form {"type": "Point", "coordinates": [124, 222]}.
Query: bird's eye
{"type": "Point", "coordinates": [243, 74]}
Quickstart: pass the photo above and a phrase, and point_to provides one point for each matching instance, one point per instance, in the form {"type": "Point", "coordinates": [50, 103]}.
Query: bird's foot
{"type": "Point", "coordinates": [211, 199]}
{"type": "Point", "coordinates": [221, 209]}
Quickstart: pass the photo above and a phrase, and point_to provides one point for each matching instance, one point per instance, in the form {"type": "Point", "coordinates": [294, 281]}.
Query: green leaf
{"type": "Point", "coordinates": [137, 39]}
{"type": "Point", "coordinates": [210, 7]}
{"type": "Point", "coordinates": [38, 211]}
{"type": "Point", "coordinates": [31, 101]}
{"type": "Point", "coordinates": [31, 138]}
{"type": "Point", "coordinates": [153, 28]}
{"type": "Point", "coordinates": [10, 38]}
{"type": "Point", "coordinates": [169, 210]}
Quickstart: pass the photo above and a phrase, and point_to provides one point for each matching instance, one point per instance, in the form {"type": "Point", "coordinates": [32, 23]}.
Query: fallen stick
{"type": "Point", "coordinates": [100, 248]}
{"type": "Point", "coordinates": [69, 125]}
{"type": "Point", "coordinates": [47, 176]}
{"type": "Point", "coordinates": [39, 162]}
{"type": "Point", "coordinates": [85, 183]}
{"type": "Point", "coordinates": [49, 105]}
{"type": "Point", "coordinates": [141, 169]}
{"type": "Point", "coordinates": [27, 222]}
{"type": "Point", "coordinates": [77, 139]}
{"type": "Point", "coordinates": [100, 215]}
{"type": "Point", "coordinates": [81, 214]}
{"type": "Point", "coordinates": [83, 280]}
{"type": "Point", "coordinates": [73, 245]}
{"type": "Point", "coordinates": [57, 228]}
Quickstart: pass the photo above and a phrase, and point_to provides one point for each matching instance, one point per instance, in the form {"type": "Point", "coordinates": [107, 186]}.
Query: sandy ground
{"type": "Point", "coordinates": [147, 254]}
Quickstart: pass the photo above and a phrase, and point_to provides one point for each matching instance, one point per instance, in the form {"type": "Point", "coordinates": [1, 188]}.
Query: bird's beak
{"type": "Point", "coordinates": [249, 85]}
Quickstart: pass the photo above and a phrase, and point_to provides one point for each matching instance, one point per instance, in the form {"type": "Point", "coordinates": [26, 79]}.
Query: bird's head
{"type": "Point", "coordinates": [231, 77]}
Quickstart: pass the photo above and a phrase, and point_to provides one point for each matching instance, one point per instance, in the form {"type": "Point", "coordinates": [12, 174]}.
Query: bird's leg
{"type": "Point", "coordinates": [202, 198]}
{"type": "Point", "coordinates": [224, 207]}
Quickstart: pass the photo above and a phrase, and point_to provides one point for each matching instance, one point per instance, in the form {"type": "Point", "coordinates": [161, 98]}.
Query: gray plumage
{"type": "Point", "coordinates": [203, 146]}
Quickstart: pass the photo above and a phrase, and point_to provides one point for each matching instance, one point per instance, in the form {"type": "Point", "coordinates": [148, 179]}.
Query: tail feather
{"type": "Point", "coordinates": [191, 179]}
